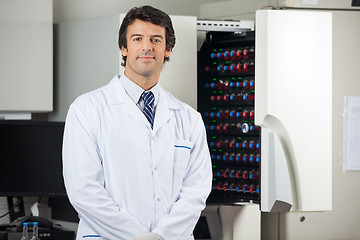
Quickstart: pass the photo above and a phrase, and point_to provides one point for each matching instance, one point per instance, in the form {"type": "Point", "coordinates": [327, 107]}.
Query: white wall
{"type": "Point", "coordinates": [65, 10]}
{"type": "Point", "coordinates": [234, 9]}
{"type": "Point", "coordinates": [86, 57]}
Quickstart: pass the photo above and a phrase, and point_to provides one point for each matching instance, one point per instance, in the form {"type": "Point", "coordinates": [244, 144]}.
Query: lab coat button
{"type": "Point", "coordinates": [152, 137]}
{"type": "Point", "coordinates": [158, 199]}
{"type": "Point", "coordinates": [155, 168]}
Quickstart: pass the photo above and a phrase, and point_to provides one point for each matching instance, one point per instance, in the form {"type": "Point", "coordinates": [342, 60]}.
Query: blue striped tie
{"type": "Point", "coordinates": [148, 98]}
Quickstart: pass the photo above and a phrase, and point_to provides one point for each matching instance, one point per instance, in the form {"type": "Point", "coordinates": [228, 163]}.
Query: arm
{"type": "Point", "coordinates": [181, 220]}
{"type": "Point", "coordinates": [84, 180]}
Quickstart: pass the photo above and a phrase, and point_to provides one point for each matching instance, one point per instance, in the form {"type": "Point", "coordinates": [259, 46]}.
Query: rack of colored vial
{"type": "Point", "coordinates": [226, 93]}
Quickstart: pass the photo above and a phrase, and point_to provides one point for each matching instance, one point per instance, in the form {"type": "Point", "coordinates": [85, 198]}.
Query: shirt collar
{"type": "Point", "coordinates": [134, 91]}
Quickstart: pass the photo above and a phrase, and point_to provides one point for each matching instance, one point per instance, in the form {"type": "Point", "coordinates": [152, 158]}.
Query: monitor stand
{"type": "Point", "coordinates": [16, 209]}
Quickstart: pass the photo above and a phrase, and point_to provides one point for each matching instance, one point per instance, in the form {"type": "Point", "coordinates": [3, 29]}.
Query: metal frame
{"type": "Point", "coordinates": [224, 26]}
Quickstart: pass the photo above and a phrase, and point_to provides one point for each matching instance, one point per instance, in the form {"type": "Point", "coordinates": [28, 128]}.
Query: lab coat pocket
{"type": "Point", "coordinates": [182, 149]}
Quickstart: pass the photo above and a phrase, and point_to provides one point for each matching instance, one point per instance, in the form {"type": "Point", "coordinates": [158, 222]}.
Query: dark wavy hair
{"type": "Point", "coordinates": [147, 14]}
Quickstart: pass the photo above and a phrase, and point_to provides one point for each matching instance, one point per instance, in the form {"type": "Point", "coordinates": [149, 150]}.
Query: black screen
{"type": "Point", "coordinates": [31, 159]}
{"type": "Point", "coordinates": [355, 3]}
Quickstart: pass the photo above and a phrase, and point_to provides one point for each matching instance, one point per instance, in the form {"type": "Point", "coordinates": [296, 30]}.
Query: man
{"type": "Point", "coordinates": [136, 161]}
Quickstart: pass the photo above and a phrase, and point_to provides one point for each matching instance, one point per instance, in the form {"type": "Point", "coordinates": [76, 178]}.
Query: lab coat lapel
{"type": "Point", "coordinates": [119, 99]}
{"type": "Point", "coordinates": [164, 109]}
{"type": "Point", "coordinates": [131, 109]}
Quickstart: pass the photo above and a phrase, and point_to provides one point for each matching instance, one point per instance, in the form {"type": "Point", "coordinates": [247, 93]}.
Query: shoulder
{"type": "Point", "coordinates": [88, 108]}
{"type": "Point", "coordinates": [86, 111]}
{"type": "Point", "coordinates": [94, 99]}
{"type": "Point", "coordinates": [89, 100]}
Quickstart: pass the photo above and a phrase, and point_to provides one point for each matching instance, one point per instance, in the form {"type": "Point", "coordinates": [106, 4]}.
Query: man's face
{"type": "Point", "coordinates": [145, 50]}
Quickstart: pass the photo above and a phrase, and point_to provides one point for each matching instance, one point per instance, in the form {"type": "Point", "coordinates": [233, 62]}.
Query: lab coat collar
{"type": "Point", "coordinates": [164, 110]}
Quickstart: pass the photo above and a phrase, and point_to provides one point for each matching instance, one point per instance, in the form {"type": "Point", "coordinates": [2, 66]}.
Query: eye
{"type": "Point", "coordinates": [136, 39]}
{"type": "Point", "coordinates": [156, 40]}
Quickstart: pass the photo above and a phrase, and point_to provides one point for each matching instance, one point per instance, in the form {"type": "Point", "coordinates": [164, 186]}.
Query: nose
{"type": "Point", "coordinates": [147, 46]}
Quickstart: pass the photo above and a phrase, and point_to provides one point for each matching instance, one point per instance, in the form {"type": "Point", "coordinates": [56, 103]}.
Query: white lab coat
{"type": "Point", "coordinates": [124, 178]}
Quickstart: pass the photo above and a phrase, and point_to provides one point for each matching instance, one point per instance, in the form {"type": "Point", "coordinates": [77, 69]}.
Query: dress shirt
{"type": "Point", "coordinates": [134, 91]}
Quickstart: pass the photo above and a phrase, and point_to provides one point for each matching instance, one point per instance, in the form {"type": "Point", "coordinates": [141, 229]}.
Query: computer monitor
{"type": "Point", "coordinates": [31, 159]}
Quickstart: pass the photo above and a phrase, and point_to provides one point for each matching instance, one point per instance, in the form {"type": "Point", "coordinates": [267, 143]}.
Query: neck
{"type": "Point", "coordinates": [145, 82]}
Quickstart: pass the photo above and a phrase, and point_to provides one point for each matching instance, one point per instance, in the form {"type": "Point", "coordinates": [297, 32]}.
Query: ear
{"type": "Point", "coordinates": [167, 52]}
{"type": "Point", "coordinates": [123, 51]}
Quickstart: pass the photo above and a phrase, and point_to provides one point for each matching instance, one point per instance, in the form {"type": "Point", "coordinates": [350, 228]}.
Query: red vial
{"type": "Point", "coordinates": [246, 53]}
{"type": "Point", "coordinates": [251, 114]}
{"type": "Point", "coordinates": [238, 68]}
{"type": "Point", "coordinates": [244, 175]}
{"type": "Point", "coordinates": [239, 54]}
{"type": "Point", "coordinates": [238, 174]}
{"type": "Point", "coordinates": [245, 68]}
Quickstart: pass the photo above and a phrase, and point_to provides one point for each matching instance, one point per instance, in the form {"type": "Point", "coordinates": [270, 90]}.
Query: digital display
{"type": "Point", "coordinates": [31, 158]}
{"type": "Point", "coordinates": [355, 3]}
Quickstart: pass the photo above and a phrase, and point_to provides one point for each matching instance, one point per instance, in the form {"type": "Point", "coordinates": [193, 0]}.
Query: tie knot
{"type": "Point", "coordinates": [148, 98]}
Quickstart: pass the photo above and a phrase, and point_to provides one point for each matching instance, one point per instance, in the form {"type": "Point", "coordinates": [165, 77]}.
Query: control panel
{"type": "Point", "coordinates": [226, 92]}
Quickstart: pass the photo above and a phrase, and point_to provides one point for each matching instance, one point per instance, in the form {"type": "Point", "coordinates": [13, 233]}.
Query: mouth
{"type": "Point", "coordinates": [146, 58]}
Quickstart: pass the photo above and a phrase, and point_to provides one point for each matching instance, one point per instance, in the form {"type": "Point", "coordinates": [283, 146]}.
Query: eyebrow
{"type": "Point", "coordinates": [141, 35]}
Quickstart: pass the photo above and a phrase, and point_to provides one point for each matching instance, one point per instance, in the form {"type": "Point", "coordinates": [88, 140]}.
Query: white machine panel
{"type": "Point", "coordinates": [294, 101]}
